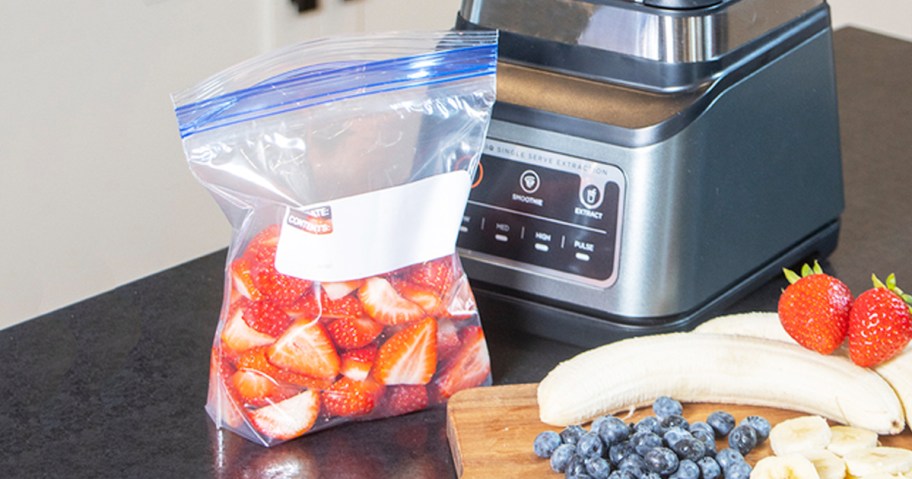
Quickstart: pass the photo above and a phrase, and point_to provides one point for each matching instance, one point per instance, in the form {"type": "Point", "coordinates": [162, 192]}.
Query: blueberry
{"type": "Point", "coordinates": [598, 467]}
{"type": "Point", "coordinates": [590, 445]}
{"type": "Point", "coordinates": [709, 468]}
{"type": "Point", "coordinates": [634, 464]}
{"type": "Point", "coordinates": [738, 470]}
{"type": "Point", "coordinates": [728, 456]}
{"type": "Point", "coordinates": [701, 426]}
{"type": "Point", "coordinates": [648, 424]}
{"type": "Point", "coordinates": [661, 460]}
{"type": "Point", "coordinates": [665, 406]}
{"type": "Point", "coordinates": [618, 474]}
{"type": "Point", "coordinates": [721, 422]}
{"type": "Point", "coordinates": [675, 434]}
{"type": "Point", "coordinates": [560, 459]}
{"type": "Point", "coordinates": [743, 438]}
{"type": "Point", "coordinates": [689, 448]}
{"type": "Point", "coordinates": [571, 434]}
{"type": "Point", "coordinates": [708, 440]}
{"type": "Point", "coordinates": [760, 425]}
{"type": "Point", "coordinates": [576, 467]}
{"type": "Point", "coordinates": [597, 423]}
{"type": "Point", "coordinates": [619, 451]}
{"type": "Point", "coordinates": [545, 443]}
{"type": "Point", "coordinates": [687, 469]}
{"type": "Point", "coordinates": [651, 475]}
{"type": "Point", "coordinates": [674, 420]}
{"type": "Point", "coordinates": [643, 442]}
{"type": "Point", "coordinates": [612, 430]}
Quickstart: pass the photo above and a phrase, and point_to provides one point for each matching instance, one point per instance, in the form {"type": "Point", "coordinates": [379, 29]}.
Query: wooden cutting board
{"type": "Point", "coordinates": [491, 430]}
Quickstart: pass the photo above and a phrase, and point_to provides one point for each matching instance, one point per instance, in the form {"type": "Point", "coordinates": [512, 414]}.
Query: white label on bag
{"type": "Point", "coordinates": [373, 233]}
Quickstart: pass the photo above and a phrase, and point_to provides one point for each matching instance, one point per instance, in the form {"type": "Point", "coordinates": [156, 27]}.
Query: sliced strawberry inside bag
{"type": "Point", "coordinates": [253, 387]}
{"type": "Point", "coordinates": [383, 303]}
{"type": "Point", "coordinates": [409, 356]}
{"type": "Point", "coordinates": [349, 398]}
{"type": "Point", "coordinates": [336, 290]}
{"type": "Point", "coordinates": [344, 307]}
{"type": "Point", "coordinates": [436, 275]}
{"type": "Point", "coordinates": [255, 359]}
{"type": "Point", "coordinates": [305, 348]}
{"type": "Point", "coordinates": [404, 399]}
{"type": "Point", "coordinates": [264, 316]}
{"type": "Point", "coordinates": [469, 367]}
{"type": "Point", "coordinates": [236, 335]}
{"type": "Point", "coordinates": [353, 333]}
{"type": "Point", "coordinates": [289, 418]}
{"type": "Point", "coordinates": [357, 363]}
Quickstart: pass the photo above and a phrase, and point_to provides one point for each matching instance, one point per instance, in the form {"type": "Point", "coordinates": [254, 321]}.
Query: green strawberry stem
{"type": "Point", "coordinates": [891, 285]}
{"type": "Point", "coordinates": [806, 271]}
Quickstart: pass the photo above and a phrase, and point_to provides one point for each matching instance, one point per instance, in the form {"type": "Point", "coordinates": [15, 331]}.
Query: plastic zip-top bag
{"type": "Point", "coordinates": [344, 166]}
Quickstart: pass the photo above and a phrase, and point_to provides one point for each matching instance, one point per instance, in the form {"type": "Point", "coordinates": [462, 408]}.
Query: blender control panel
{"type": "Point", "coordinates": [546, 213]}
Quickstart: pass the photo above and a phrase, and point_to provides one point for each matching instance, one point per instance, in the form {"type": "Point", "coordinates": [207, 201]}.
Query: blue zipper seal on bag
{"type": "Point", "coordinates": [311, 85]}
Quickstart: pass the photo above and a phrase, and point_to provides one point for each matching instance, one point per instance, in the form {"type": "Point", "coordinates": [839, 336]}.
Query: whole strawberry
{"type": "Point", "coordinates": [880, 325]}
{"type": "Point", "coordinates": [814, 309]}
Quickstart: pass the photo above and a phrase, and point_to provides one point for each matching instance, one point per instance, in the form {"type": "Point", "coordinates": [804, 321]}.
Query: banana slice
{"type": "Point", "coordinates": [792, 466]}
{"type": "Point", "coordinates": [827, 464]}
{"type": "Point", "coordinates": [800, 434]}
{"type": "Point", "coordinates": [846, 439]}
{"type": "Point", "coordinates": [879, 460]}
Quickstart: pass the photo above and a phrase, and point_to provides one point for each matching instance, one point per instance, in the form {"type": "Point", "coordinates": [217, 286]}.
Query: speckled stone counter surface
{"type": "Point", "coordinates": [114, 386]}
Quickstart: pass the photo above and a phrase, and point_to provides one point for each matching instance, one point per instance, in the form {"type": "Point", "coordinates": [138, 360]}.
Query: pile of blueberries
{"type": "Point", "coordinates": [663, 446]}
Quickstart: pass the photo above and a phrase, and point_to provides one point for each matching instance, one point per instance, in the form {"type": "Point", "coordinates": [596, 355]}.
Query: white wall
{"type": "Point", "coordinates": [94, 189]}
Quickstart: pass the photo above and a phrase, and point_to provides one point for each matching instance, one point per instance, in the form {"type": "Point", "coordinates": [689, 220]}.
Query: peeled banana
{"type": "Point", "coordinates": [897, 371]}
{"type": "Point", "coordinates": [716, 368]}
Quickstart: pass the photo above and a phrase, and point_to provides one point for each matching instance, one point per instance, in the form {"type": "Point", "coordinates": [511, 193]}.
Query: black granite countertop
{"type": "Point", "coordinates": [114, 386]}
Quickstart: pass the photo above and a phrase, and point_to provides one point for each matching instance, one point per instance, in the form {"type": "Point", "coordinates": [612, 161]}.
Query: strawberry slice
{"type": "Point", "coordinates": [409, 356]}
{"type": "Point", "coordinates": [447, 337]}
{"type": "Point", "coordinates": [405, 399]}
{"type": "Point", "coordinates": [339, 289]}
{"type": "Point", "coordinates": [357, 363]}
{"type": "Point", "coordinates": [306, 306]}
{"type": "Point", "coordinates": [289, 418]}
{"type": "Point", "coordinates": [469, 367]}
{"type": "Point", "coordinates": [385, 305]}
{"type": "Point", "coordinates": [262, 248]}
{"type": "Point", "coordinates": [253, 387]}
{"type": "Point", "coordinates": [255, 360]}
{"type": "Point", "coordinates": [242, 279]}
{"type": "Point", "coordinates": [353, 333]}
{"type": "Point", "coordinates": [344, 307]}
{"type": "Point", "coordinates": [265, 317]}
{"type": "Point", "coordinates": [237, 336]}
{"type": "Point", "coordinates": [348, 397]}
{"type": "Point", "coordinates": [305, 348]}
{"type": "Point", "coordinates": [424, 296]}
{"type": "Point", "coordinates": [280, 288]}
{"type": "Point", "coordinates": [437, 275]}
